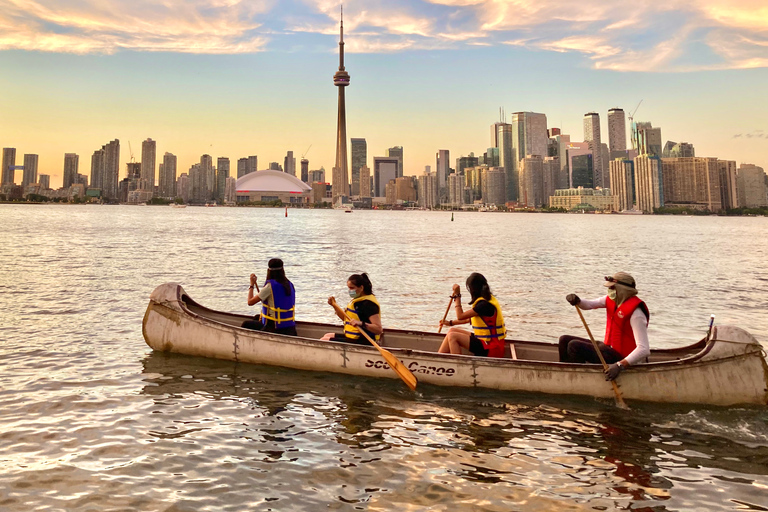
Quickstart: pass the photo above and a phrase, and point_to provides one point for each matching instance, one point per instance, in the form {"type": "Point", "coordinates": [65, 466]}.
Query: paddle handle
{"type": "Point", "coordinates": [447, 309]}
{"type": "Point", "coordinates": [616, 392]}
{"type": "Point", "coordinates": [711, 323]}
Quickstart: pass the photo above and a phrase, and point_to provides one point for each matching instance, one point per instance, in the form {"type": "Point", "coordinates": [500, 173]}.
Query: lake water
{"type": "Point", "coordinates": [92, 419]}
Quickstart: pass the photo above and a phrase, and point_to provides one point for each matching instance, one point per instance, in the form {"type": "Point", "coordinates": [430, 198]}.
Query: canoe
{"type": "Point", "coordinates": [730, 368]}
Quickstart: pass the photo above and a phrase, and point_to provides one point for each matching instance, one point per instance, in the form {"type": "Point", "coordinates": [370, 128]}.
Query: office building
{"type": "Point", "coordinates": [617, 133]}
{"type": "Point", "coordinates": [529, 137]}
{"type": "Point", "coordinates": [196, 184]}
{"type": "Point", "coordinates": [111, 170]}
{"type": "Point", "coordinates": [593, 137]}
{"type": "Point", "coordinates": [242, 164]}
{"type": "Point", "coordinates": [623, 184]}
{"type": "Point", "coordinates": [148, 160]}
{"type": "Point", "coordinates": [537, 178]}
{"type": "Point", "coordinates": [646, 139]}
{"type": "Point", "coordinates": [97, 168]}
{"type": "Point", "coordinates": [466, 161]}
{"type": "Point", "coordinates": [45, 181]}
{"type": "Point", "coordinates": [581, 198]}
{"type": "Point", "coordinates": [365, 181]}
{"type": "Point", "coordinates": [253, 164]}
{"type": "Point", "coordinates": [384, 169]}
{"type": "Point", "coordinates": [473, 180]}
{"type": "Point", "coordinates": [340, 185]}
{"type": "Point", "coordinates": [403, 189]}
{"type": "Point", "coordinates": [289, 163]}
{"type": "Point", "coordinates": [580, 165]}
{"type": "Point", "coordinates": [30, 170]}
{"type": "Point", "coordinates": [230, 190]}
{"type": "Point", "coordinates": [304, 170]}
{"type": "Point", "coordinates": [442, 168]}
{"type": "Point", "coordinates": [675, 150]}
{"type": "Point", "coordinates": [729, 195]}
{"type": "Point", "coordinates": [167, 187]}
{"type": "Point", "coordinates": [397, 152]}
{"type": "Point", "coordinates": [71, 166]}
{"type": "Point", "coordinates": [222, 173]}
{"type": "Point", "coordinates": [9, 166]}
{"type": "Point", "coordinates": [649, 183]}
{"type": "Point", "coordinates": [493, 182]}
{"type": "Point", "coordinates": [751, 184]}
{"type": "Point", "coordinates": [207, 179]}
{"type": "Point", "coordinates": [183, 187]}
{"type": "Point", "coordinates": [558, 147]}
{"type": "Point", "coordinates": [455, 190]}
{"type": "Point", "coordinates": [692, 182]}
{"type": "Point", "coordinates": [317, 176]}
{"type": "Point", "coordinates": [429, 194]}
{"type": "Point", "coordinates": [359, 159]}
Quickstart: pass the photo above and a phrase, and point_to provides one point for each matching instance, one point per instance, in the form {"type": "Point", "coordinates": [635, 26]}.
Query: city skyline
{"type": "Point", "coordinates": [269, 93]}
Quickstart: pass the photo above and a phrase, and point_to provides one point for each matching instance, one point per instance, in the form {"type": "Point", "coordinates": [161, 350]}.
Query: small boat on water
{"type": "Point", "coordinates": [727, 369]}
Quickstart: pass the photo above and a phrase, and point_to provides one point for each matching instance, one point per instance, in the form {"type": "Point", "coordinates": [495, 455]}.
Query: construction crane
{"type": "Point", "coordinates": [631, 116]}
{"type": "Point", "coordinates": [130, 151]}
{"type": "Point", "coordinates": [305, 153]}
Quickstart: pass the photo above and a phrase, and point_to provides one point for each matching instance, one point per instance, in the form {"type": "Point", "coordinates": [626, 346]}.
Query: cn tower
{"type": "Point", "coordinates": [340, 171]}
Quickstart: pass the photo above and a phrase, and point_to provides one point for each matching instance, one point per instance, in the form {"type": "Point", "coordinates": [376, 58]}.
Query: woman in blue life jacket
{"type": "Point", "coordinates": [363, 310]}
{"type": "Point", "coordinates": [488, 329]}
{"type": "Point", "coordinates": [278, 302]}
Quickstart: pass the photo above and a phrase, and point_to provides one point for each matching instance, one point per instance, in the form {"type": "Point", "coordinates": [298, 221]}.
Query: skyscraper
{"type": "Point", "coordinates": [207, 178]}
{"type": "Point", "coordinates": [304, 170]}
{"type": "Point", "coordinates": [359, 159]}
{"type": "Point", "coordinates": [507, 160]}
{"type": "Point", "coordinates": [617, 133]}
{"type": "Point", "coordinates": [9, 161]}
{"type": "Point", "coordinates": [253, 164]}
{"type": "Point", "coordinates": [168, 176]}
{"type": "Point", "coordinates": [111, 170]}
{"type": "Point", "coordinates": [242, 165]}
{"type": "Point", "coordinates": [148, 157]}
{"type": "Point", "coordinates": [71, 162]}
{"type": "Point", "coordinates": [30, 170]}
{"type": "Point", "coordinates": [397, 152]}
{"type": "Point", "coordinates": [289, 163]}
{"type": "Point", "coordinates": [365, 181]}
{"type": "Point", "coordinates": [222, 173]}
{"type": "Point", "coordinates": [692, 182]}
{"type": "Point", "coordinates": [340, 170]}
{"type": "Point", "coordinates": [529, 137]}
{"type": "Point", "coordinates": [45, 181]}
{"type": "Point", "coordinates": [649, 184]}
{"type": "Point", "coordinates": [442, 169]}
{"type": "Point", "coordinates": [384, 169]}
{"type": "Point", "coordinates": [97, 169]}
{"type": "Point", "coordinates": [593, 137]}
{"type": "Point", "coordinates": [646, 139]}
{"type": "Point", "coordinates": [623, 184]}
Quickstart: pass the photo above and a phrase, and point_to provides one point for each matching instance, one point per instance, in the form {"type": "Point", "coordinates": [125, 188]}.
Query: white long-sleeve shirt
{"type": "Point", "coordinates": [639, 324]}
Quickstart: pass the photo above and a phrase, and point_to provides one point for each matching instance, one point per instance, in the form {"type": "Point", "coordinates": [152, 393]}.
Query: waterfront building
{"type": "Point", "coordinates": [649, 183]}
{"type": "Point", "coordinates": [558, 147]}
{"type": "Point", "coordinates": [623, 184]}
{"type": "Point", "coordinates": [207, 176]}
{"type": "Point", "coordinates": [593, 137]}
{"type": "Point", "coordinates": [405, 190]}
{"type": "Point", "coordinates": [230, 190]}
{"type": "Point", "coordinates": [493, 182]}
{"type": "Point", "coordinates": [196, 183]}
{"type": "Point", "coordinates": [97, 168]}
{"type": "Point", "coordinates": [304, 170]}
{"type": "Point", "coordinates": [537, 179]}
{"type": "Point", "coordinates": [751, 184]}
{"type": "Point", "coordinates": [442, 168]}
{"type": "Point", "coordinates": [183, 187]}
{"type": "Point", "coordinates": [272, 185]}
{"type": "Point", "coordinates": [289, 163]}
{"type": "Point", "coordinates": [340, 172]}
{"type": "Point", "coordinates": [319, 193]}
{"type": "Point", "coordinates": [429, 194]}
{"type": "Point", "coordinates": [30, 170]}
{"type": "Point", "coordinates": [455, 190]}
{"type": "Point", "coordinates": [365, 181]}
{"type": "Point", "coordinates": [617, 134]}
{"type": "Point", "coordinates": [646, 139]}
{"type": "Point", "coordinates": [111, 171]}
{"type": "Point", "coordinates": [148, 160]}
{"type": "Point", "coordinates": [581, 198]}
{"type": "Point", "coordinates": [45, 181]}
{"type": "Point", "coordinates": [168, 175]}
{"type": "Point", "coordinates": [317, 176]}
{"type": "Point", "coordinates": [71, 164]}
{"type": "Point", "coordinates": [359, 159]}
{"type": "Point", "coordinates": [580, 165]}
{"type": "Point", "coordinates": [529, 137]}
{"type": "Point", "coordinates": [385, 168]}
{"type": "Point", "coordinates": [729, 195]}
{"type": "Point", "coordinates": [691, 182]}
{"type": "Point", "coordinates": [222, 173]}
{"type": "Point", "coordinates": [9, 166]}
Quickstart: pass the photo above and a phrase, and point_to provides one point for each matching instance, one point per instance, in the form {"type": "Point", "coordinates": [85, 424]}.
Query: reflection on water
{"type": "Point", "coordinates": [90, 419]}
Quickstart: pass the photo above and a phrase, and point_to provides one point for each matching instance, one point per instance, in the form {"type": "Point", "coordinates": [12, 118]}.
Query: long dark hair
{"type": "Point", "coordinates": [478, 287]}
{"type": "Point", "coordinates": [276, 272]}
{"type": "Point", "coordinates": [362, 280]}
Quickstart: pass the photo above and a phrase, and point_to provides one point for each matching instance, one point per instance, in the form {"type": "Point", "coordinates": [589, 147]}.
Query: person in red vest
{"type": "Point", "coordinates": [626, 330]}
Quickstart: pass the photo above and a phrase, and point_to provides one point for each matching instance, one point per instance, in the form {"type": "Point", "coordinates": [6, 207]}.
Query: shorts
{"type": "Point", "coordinates": [478, 349]}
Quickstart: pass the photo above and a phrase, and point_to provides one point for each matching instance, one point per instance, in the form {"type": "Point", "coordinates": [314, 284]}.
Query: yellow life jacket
{"type": "Point", "coordinates": [489, 329]}
{"type": "Point", "coordinates": [351, 331]}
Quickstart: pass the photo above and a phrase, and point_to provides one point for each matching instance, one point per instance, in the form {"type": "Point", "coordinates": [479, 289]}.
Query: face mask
{"type": "Point", "coordinates": [612, 294]}
{"type": "Point", "coordinates": [353, 293]}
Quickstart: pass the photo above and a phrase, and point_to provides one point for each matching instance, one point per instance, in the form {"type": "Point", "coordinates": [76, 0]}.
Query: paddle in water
{"type": "Point", "coordinates": [619, 399]}
{"type": "Point", "coordinates": [393, 362]}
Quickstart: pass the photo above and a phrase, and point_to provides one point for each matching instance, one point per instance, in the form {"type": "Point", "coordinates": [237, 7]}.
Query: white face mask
{"type": "Point", "coordinates": [612, 294]}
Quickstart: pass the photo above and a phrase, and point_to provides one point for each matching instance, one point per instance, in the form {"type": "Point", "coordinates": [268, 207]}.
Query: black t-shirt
{"type": "Point", "coordinates": [484, 308]}
{"type": "Point", "coordinates": [366, 309]}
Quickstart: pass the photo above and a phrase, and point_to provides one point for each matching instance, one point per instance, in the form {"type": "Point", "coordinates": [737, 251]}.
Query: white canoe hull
{"type": "Point", "coordinates": [729, 369]}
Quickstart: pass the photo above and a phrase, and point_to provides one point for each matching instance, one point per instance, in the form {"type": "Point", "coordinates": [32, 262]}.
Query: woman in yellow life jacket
{"type": "Point", "coordinates": [485, 317]}
{"type": "Point", "coordinates": [363, 310]}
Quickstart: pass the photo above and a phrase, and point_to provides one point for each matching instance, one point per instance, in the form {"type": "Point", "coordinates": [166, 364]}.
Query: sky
{"type": "Point", "coordinates": [233, 78]}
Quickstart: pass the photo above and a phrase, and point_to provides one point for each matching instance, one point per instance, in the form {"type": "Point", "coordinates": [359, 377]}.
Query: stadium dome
{"type": "Point", "coordinates": [269, 185]}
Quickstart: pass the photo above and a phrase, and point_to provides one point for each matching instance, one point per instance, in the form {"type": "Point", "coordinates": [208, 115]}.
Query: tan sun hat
{"type": "Point", "coordinates": [620, 278]}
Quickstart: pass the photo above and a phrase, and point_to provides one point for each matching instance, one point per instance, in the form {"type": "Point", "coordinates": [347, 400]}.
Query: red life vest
{"type": "Point", "coordinates": [618, 331]}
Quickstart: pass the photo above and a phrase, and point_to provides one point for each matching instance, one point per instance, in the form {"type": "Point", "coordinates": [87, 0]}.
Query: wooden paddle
{"type": "Point", "coordinates": [393, 362]}
{"type": "Point", "coordinates": [619, 400]}
{"type": "Point", "coordinates": [450, 301]}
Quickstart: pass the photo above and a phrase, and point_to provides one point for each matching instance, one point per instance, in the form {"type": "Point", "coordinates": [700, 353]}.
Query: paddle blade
{"type": "Point", "coordinates": [404, 373]}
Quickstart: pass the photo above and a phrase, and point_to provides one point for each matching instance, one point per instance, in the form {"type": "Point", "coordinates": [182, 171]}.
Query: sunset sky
{"type": "Point", "coordinates": [237, 78]}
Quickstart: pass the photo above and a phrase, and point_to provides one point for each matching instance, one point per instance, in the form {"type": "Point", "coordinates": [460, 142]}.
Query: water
{"type": "Point", "coordinates": [91, 419]}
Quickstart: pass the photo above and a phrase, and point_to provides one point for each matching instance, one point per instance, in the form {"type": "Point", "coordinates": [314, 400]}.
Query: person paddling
{"type": "Point", "coordinates": [485, 317]}
{"type": "Point", "coordinates": [626, 331]}
{"type": "Point", "coordinates": [278, 302]}
{"type": "Point", "coordinates": [363, 311]}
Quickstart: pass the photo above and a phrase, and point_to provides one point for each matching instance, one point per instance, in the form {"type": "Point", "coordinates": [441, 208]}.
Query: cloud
{"type": "Point", "coordinates": [617, 35]}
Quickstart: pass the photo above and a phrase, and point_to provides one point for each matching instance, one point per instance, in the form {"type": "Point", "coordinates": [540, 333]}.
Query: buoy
{"type": "Point", "coordinates": [451, 216]}
{"type": "Point", "coordinates": [286, 211]}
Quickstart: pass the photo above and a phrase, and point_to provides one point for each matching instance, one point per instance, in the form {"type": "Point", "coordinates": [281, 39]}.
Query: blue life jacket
{"type": "Point", "coordinates": [280, 307]}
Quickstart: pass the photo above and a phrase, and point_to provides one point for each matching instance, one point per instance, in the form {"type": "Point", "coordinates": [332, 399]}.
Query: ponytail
{"type": "Point", "coordinates": [362, 280]}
